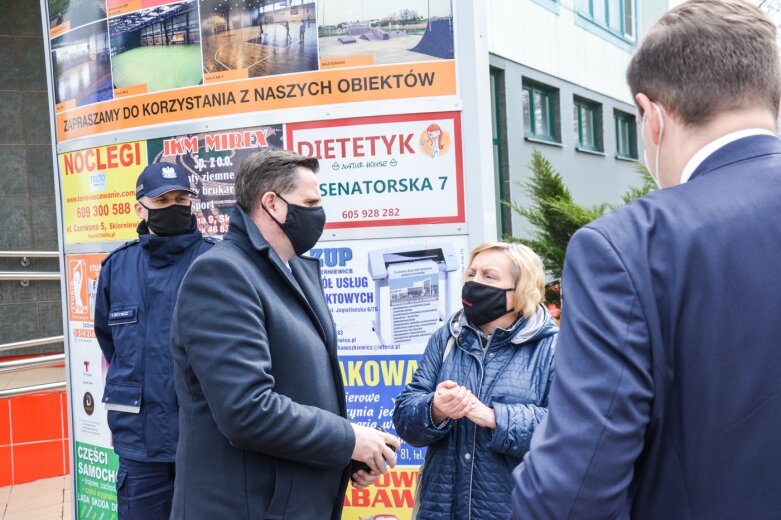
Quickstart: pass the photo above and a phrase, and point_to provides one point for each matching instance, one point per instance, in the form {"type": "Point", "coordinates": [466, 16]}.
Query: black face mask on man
{"type": "Point", "coordinates": [173, 220]}
{"type": "Point", "coordinates": [303, 225]}
{"type": "Point", "coordinates": [483, 303]}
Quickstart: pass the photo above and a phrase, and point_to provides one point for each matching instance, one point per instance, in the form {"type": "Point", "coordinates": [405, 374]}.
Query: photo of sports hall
{"type": "Point", "coordinates": [265, 37]}
{"type": "Point", "coordinates": [158, 47]}
{"type": "Point", "coordinates": [410, 31]}
{"type": "Point", "coordinates": [70, 14]}
{"type": "Point", "coordinates": [82, 69]}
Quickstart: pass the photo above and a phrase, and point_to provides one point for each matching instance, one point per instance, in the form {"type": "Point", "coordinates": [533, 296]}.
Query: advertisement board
{"type": "Point", "coordinates": [379, 92]}
{"type": "Point", "coordinates": [95, 463]}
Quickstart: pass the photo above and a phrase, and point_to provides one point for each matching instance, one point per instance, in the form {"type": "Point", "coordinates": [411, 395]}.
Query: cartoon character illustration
{"type": "Point", "coordinates": [434, 141]}
{"type": "Point", "coordinates": [434, 133]}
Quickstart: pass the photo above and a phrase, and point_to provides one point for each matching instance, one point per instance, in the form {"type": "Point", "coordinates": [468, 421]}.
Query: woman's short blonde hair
{"type": "Point", "coordinates": [528, 274]}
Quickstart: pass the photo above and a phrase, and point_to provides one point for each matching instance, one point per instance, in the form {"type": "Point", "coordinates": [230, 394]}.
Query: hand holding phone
{"type": "Point", "coordinates": [374, 451]}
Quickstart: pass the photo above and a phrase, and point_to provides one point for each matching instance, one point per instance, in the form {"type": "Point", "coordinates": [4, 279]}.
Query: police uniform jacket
{"type": "Point", "coordinates": [137, 290]}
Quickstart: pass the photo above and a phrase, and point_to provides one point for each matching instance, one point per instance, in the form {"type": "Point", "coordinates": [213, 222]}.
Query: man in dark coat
{"type": "Point", "coordinates": [263, 427]}
{"type": "Point", "coordinates": [133, 309]}
{"type": "Point", "coordinates": [667, 401]}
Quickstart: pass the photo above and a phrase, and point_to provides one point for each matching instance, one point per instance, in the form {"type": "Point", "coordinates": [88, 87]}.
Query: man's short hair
{"type": "Point", "coordinates": [270, 170]}
{"type": "Point", "coordinates": [704, 57]}
{"type": "Point", "coordinates": [528, 274]}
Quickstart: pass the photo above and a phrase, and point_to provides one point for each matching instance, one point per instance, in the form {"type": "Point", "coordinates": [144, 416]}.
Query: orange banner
{"type": "Point", "coordinates": [361, 60]}
{"type": "Point", "coordinates": [58, 30]}
{"type": "Point", "coordinates": [225, 75]}
{"type": "Point", "coordinates": [131, 90]}
{"type": "Point", "coordinates": [410, 80]}
{"type": "Point", "coordinates": [117, 7]}
{"type": "Point", "coordinates": [65, 105]}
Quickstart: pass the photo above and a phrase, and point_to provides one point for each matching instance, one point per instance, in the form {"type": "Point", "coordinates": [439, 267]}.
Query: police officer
{"type": "Point", "coordinates": [137, 291]}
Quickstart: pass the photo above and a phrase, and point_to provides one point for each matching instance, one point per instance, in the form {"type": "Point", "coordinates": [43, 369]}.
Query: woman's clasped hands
{"type": "Point", "coordinates": [453, 401]}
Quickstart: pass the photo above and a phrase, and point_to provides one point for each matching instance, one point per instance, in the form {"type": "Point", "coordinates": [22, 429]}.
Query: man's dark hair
{"type": "Point", "coordinates": [270, 170]}
{"type": "Point", "coordinates": [705, 57]}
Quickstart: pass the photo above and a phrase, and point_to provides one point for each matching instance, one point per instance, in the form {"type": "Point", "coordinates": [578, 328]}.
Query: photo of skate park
{"type": "Point", "coordinates": [75, 13]}
{"type": "Point", "coordinates": [411, 31]}
{"type": "Point", "coordinates": [157, 47]}
{"type": "Point", "coordinates": [263, 37]}
{"type": "Point", "coordinates": [82, 68]}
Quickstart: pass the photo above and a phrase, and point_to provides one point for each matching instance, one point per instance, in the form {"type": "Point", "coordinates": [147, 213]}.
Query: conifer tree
{"type": "Point", "coordinates": [556, 216]}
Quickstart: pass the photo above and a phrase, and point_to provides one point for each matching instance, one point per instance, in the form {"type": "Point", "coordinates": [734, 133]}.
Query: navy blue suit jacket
{"type": "Point", "coordinates": [667, 399]}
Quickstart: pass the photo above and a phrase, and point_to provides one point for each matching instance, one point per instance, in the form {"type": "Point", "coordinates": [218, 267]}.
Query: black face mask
{"type": "Point", "coordinates": [303, 226]}
{"type": "Point", "coordinates": [173, 220]}
{"type": "Point", "coordinates": [483, 303]}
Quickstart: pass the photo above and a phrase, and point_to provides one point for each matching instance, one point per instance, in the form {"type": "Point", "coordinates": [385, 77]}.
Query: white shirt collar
{"type": "Point", "coordinates": [707, 150]}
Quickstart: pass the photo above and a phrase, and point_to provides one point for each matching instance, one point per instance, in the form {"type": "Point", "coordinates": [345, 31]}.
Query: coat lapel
{"type": "Point", "coordinates": [306, 272]}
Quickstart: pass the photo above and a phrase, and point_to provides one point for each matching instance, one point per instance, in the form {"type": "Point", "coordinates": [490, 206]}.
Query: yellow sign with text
{"type": "Point", "coordinates": [392, 497]}
{"type": "Point", "coordinates": [98, 186]}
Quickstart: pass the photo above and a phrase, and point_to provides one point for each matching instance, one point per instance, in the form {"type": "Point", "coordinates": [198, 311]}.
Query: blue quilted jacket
{"type": "Point", "coordinates": [468, 470]}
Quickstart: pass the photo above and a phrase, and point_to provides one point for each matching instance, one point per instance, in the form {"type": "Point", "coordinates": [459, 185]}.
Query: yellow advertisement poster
{"type": "Point", "coordinates": [98, 186]}
{"type": "Point", "coordinates": [391, 498]}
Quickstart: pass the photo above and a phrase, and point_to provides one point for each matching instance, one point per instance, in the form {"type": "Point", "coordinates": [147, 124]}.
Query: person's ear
{"type": "Point", "coordinates": [269, 201]}
{"type": "Point", "coordinates": [141, 211]}
{"type": "Point", "coordinates": [650, 116]}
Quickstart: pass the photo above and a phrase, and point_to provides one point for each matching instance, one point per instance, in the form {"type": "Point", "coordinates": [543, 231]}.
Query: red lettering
{"type": "Point", "coordinates": [68, 161]}
{"type": "Point", "coordinates": [89, 160]}
{"type": "Point", "coordinates": [403, 498]}
{"type": "Point", "coordinates": [305, 148]}
{"type": "Point", "coordinates": [404, 144]}
{"type": "Point", "coordinates": [373, 140]}
{"type": "Point", "coordinates": [235, 140]}
{"type": "Point", "coordinates": [79, 162]}
{"type": "Point", "coordinates": [343, 142]}
{"type": "Point", "coordinates": [358, 148]}
{"type": "Point", "coordinates": [210, 142]}
{"type": "Point", "coordinates": [389, 144]}
{"type": "Point", "coordinates": [170, 147]}
{"type": "Point", "coordinates": [359, 498]}
{"type": "Point", "coordinates": [101, 160]}
{"type": "Point", "coordinates": [111, 156]}
{"type": "Point", "coordinates": [329, 149]}
{"type": "Point", "coordinates": [404, 479]}
{"type": "Point", "coordinates": [381, 497]}
{"type": "Point", "coordinates": [95, 159]}
{"type": "Point", "coordinates": [126, 156]}
{"type": "Point", "coordinates": [190, 144]}
{"type": "Point", "coordinates": [260, 138]}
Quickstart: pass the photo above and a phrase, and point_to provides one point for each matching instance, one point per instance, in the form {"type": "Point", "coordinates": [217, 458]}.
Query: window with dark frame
{"type": "Point", "coordinates": [539, 112]}
{"type": "Point", "coordinates": [616, 16]}
{"type": "Point", "coordinates": [626, 135]}
{"type": "Point", "coordinates": [501, 173]}
{"type": "Point", "coordinates": [587, 119]}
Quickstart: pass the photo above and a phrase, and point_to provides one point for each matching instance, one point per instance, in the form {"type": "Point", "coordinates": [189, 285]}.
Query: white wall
{"type": "Point", "coordinates": [528, 33]}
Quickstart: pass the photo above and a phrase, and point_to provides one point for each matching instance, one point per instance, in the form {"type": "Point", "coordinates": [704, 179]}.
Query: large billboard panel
{"type": "Point", "coordinates": [374, 90]}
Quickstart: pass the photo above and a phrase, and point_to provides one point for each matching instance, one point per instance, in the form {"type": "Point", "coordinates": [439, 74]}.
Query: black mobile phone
{"type": "Point", "coordinates": [357, 465]}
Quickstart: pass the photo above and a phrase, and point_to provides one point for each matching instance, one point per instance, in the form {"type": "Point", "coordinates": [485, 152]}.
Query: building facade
{"type": "Point", "coordinates": [557, 85]}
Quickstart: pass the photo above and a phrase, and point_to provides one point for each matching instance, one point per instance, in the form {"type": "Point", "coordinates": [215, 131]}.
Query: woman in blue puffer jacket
{"type": "Point", "coordinates": [481, 388]}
